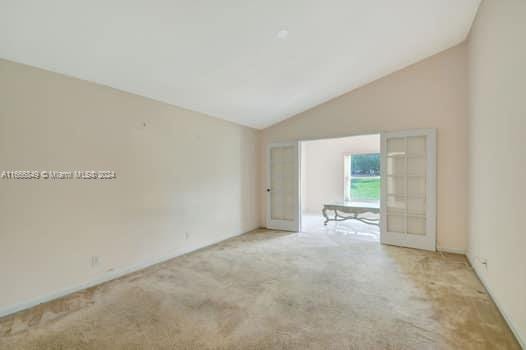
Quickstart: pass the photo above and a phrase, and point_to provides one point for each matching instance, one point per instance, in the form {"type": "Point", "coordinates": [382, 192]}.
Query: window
{"type": "Point", "coordinates": [362, 177]}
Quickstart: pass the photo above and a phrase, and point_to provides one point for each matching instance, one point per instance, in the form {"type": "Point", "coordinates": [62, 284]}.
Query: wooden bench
{"type": "Point", "coordinates": [353, 211]}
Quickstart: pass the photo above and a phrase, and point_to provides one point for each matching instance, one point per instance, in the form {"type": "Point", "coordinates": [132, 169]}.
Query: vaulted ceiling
{"type": "Point", "coordinates": [251, 62]}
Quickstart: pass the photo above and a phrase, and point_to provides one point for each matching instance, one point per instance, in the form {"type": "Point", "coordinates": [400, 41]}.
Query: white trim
{"type": "Point", "coordinates": [299, 211]}
{"type": "Point", "coordinates": [365, 133]}
{"type": "Point", "coordinates": [347, 176]}
{"type": "Point", "coordinates": [452, 250]}
{"type": "Point", "coordinates": [514, 330]}
{"type": "Point", "coordinates": [106, 277]}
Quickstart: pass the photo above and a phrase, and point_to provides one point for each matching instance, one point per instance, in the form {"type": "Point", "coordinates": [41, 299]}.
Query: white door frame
{"type": "Point", "coordinates": [285, 225]}
{"type": "Point", "coordinates": [427, 242]}
{"type": "Point", "coordinates": [431, 183]}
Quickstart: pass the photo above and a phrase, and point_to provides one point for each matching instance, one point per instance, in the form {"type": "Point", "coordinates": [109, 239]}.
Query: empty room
{"type": "Point", "coordinates": [262, 174]}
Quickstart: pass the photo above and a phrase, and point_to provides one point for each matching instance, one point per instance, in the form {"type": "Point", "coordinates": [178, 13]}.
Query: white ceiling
{"type": "Point", "coordinates": [224, 58]}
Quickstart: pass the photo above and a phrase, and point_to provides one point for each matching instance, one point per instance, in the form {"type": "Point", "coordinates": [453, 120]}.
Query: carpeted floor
{"type": "Point", "coordinates": [271, 290]}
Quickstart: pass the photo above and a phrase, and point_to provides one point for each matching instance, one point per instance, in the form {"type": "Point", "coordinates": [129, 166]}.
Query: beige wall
{"type": "Point", "coordinates": [322, 175]}
{"type": "Point", "coordinates": [497, 77]}
{"type": "Point", "coordinates": [183, 172]}
{"type": "Point", "coordinates": [429, 94]}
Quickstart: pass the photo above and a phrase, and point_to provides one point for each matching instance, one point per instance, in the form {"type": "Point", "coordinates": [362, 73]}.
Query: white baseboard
{"type": "Point", "coordinates": [514, 329]}
{"type": "Point", "coordinates": [452, 250]}
{"type": "Point", "coordinates": [108, 276]}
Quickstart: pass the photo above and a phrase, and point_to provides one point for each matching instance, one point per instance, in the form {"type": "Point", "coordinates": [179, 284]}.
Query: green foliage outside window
{"type": "Point", "coordinates": [365, 164]}
{"type": "Point", "coordinates": [365, 181]}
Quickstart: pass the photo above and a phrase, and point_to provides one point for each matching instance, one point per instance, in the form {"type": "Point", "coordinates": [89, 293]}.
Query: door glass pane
{"type": "Point", "coordinates": [282, 161]}
{"type": "Point", "coordinates": [396, 185]}
{"type": "Point", "coordinates": [416, 145]}
{"type": "Point", "coordinates": [416, 166]}
{"type": "Point", "coordinates": [416, 225]}
{"type": "Point", "coordinates": [395, 166]}
{"type": "Point", "coordinates": [416, 206]}
{"type": "Point", "coordinates": [396, 223]}
{"type": "Point", "coordinates": [396, 146]}
{"type": "Point", "coordinates": [416, 186]}
{"type": "Point", "coordinates": [396, 205]}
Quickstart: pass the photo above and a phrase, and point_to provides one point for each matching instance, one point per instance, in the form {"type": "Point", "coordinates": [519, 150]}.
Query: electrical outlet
{"type": "Point", "coordinates": [484, 262]}
{"type": "Point", "coordinates": [94, 261]}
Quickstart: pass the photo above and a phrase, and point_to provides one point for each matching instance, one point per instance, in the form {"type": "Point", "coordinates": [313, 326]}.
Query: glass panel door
{"type": "Point", "coordinates": [283, 186]}
{"type": "Point", "coordinates": [408, 189]}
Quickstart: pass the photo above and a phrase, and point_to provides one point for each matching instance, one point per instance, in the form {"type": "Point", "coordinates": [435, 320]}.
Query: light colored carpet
{"type": "Point", "coordinates": [271, 290]}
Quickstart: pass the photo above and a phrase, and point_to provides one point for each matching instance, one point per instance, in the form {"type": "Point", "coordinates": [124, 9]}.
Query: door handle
{"type": "Point", "coordinates": [268, 189]}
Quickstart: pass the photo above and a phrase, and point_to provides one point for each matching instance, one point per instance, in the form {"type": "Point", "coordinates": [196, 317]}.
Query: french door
{"type": "Point", "coordinates": [408, 200]}
{"type": "Point", "coordinates": [283, 163]}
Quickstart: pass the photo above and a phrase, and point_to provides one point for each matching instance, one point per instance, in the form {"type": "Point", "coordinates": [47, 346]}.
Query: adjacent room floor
{"type": "Point", "coordinates": [314, 223]}
{"type": "Point", "coordinates": [275, 290]}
